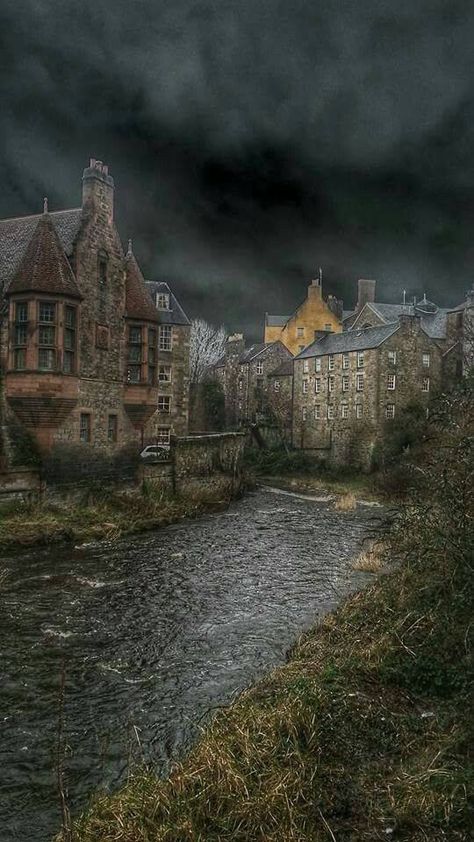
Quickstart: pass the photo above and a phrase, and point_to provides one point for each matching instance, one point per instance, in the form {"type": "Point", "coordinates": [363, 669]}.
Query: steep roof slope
{"type": "Point", "coordinates": [349, 340]}
{"type": "Point", "coordinates": [175, 315]}
{"type": "Point", "coordinates": [44, 266]}
{"type": "Point", "coordinates": [138, 302]}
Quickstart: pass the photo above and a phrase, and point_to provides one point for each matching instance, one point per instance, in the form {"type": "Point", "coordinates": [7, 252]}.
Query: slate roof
{"type": "Point", "coordinates": [349, 340]}
{"type": "Point", "coordinates": [276, 321]}
{"type": "Point", "coordinates": [250, 353]}
{"type": "Point", "coordinates": [433, 322]}
{"type": "Point", "coordinates": [283, 370]}
{"type": "Point", "coordinates": [15, 234]}
{"type": "Point", "coordinates": [44, 267]}
{"type": "Point", "coordinates": [138, 301]}
{"type": "Point", "coordinates": [175, 315]}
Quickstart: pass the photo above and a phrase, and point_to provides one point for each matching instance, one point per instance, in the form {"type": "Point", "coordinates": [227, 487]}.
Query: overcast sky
{"type": "Point", "coordinates": [252, 141]}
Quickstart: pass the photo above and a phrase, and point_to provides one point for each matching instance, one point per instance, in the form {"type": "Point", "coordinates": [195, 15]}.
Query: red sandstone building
{"type": "Point", "coordinates": [81, 334]}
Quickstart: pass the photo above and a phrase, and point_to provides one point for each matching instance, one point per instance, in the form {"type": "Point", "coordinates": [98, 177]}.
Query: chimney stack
{"type": "Point", "coordinates": [366, 292]}
{"type": "Point", "coordinates": [98, 189]}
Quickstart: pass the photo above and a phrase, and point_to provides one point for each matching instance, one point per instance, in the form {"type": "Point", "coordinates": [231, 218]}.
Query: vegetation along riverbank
{"type": "Point", "coordinates": [363, 734]}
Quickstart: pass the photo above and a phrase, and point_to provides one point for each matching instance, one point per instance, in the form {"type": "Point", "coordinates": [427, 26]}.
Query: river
{"type": "Point", "coordinates": [156, 631]}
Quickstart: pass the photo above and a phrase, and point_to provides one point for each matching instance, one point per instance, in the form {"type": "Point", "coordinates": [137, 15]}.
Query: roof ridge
{"type": "Point", "coordinates": [37, 215]}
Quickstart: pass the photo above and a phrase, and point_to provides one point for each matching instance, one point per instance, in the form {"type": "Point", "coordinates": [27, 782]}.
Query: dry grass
{"type": "Point", "coordinates": [372, 559]}
{"type": "Point", "coordinates": [346, 503]}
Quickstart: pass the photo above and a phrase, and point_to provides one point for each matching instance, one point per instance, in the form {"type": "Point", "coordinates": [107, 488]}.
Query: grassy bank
{"type": "Point", "coordinates": [364, 733]}
{"type": "Point", "coordinates": [97, 516]}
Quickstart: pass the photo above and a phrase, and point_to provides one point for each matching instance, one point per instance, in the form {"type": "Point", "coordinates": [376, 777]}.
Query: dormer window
{"type": "Point", "coordinates": [163, 300]}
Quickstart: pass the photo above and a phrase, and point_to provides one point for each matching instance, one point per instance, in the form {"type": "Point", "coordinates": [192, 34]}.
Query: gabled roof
{"type": "Point", "coordinates": [433, 321]}
{"type": "Point", "coordinates": [349, 340]}
{"type": "Point", "coordinates": [44, 267]}
{"type": "Point", "coordinates": [15, 234]}
{"type": "Point", "coordinates": [276, 321]}
{"type": "Point", "coordinates": [138, 302]}
{"type": "Point", "coordinates": [283, 370]}
{"type": "Point", "coordinates": [175, 315]}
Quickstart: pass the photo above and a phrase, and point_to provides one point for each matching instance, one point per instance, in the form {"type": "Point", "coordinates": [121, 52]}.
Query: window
{"type": "Point", "coordinates": [259, 367]}
{"type": "Point", "coordinates": [305, 366]}
{"type": "Point", "coordinates": [317, 412]}
{"type": "Point", "coordinates": [344, 410]}
{"type": "Point", "coordinates": [163, 300]}
{"type": "Point", "coordinates": [305, 387]}
{"type": "Point", "coordinates": [345, 360]}
{"type": "Point", "coordinates": [134, 354]}
{"type": "Point", "coordinates": [317, 385]}
{"type": "Point", "coordinates": [359, 410]}
{"type": "Point", "coordinates": [317, 364]}
{"type": "Point", "coordinates": [331, 382]}
{"type": "Point", "coordinates": [276, 385]}
{"type": "Point", "coordinates": [300, 332]}
{"type": "Point", "coordinates": [241, 384]}
{"type": "Point", "coordinates": [391, 382]}
{"type": "Point", "coordinates": [345, 382]}
{"type": "Point", "coordinates": [328, 327]}
{"type": "Point", "coordinates": [425, 386]}
{"type": "Point", "coordinates": [164, 338]}
{"type": "Point", "coordinates": [164, 403]}
{"type": "Point", "coordinates": [163, 435]}
{"type": "Point", "coordinates": [304, 413]}
{"type": "Point", "coordinates": [390, 410]}
{"type": "Point", "coordinates": [85, 427]}
{"type": "Point", "coordinates": [69, 355]}
{"type": "Point", "coordinates": [359, 382]}
{"type": "Point", "coordinates": [164, 374]}
{"type": "Point", "coordinates": [46, 336]}
{"type": "Point", "coordinates": [330, 412]}
{"type": "Point", "coordinates": [392, 357]}
{"type": "Point", "coordinates": [331, 362]}
{"type": "Point", "coordinates": [20, 335]}
{"type": "Point", "coordinates": [360, 359]}
{"type": "Point", "coordinates": [426, 360]}
{"type": "Point", "coordinates": [112, 428]}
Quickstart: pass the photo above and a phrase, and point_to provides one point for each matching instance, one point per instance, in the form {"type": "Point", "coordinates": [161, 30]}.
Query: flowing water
{"type": "Point", "coordinates": [155, 631]}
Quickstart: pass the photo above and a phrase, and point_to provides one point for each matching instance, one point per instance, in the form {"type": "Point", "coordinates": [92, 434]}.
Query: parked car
{"type": "Point", "coordinates": [155, 453]}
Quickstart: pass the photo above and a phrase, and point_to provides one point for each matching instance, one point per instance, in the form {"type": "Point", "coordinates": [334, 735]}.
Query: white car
{"type": "Point", "coordinates": [155, 453]}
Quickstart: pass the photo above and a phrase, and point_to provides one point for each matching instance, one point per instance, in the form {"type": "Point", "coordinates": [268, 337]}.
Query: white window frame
{"type": "Point", "coordinates": [163, 435]}
{"type": "Point", "coordinates": [425, 386]}
{"type": "Point", "coordinates": [317, 412]}
{"type": "Point", "coordinates": [390, 411]}
{"type": "Point", "coordinates": [305, 387]}
{"type": "Point", "coordinates": [426, 360]}
{"type": "Point", "coordinates": [345, 382]}
{"type": "Point", "coordinates": [331, 362]}
{"type": "Point", "coordinates": [165, 338]}
{"type": "Point", "coordinates": [359, 382]}
{"type": "Point", "coordinates": [317, 364]}
{"type": "Point", "coordinates": [345, 361]}
{"type": "Point", "coordinates": [305, 366]}
{"type": "Point", "coordinates": [300, 332]}
{"type": "Point", "coordinates": [360, 359]}
{"type": "Point", "coordinates": [359, 411]}
{"type": "Point", "coordinates": [344, 410]}
{"type": "Point", "coordinates": [317, 385]}
{"type": "Point", "coordinates": [304, 413]}
{"type": "Point", "coordinates": [162, 301]}
{"type": "Point", "coordinates": [392, 357]}
{"type": "Point", "coordinates": [330, 412]}
{"type": "Point", "coordinates": [391, 382]}
{"type": "Point", "coordinates": [259, 368]}
{"type": "Point", "coordinates": [276, 385]}
{"type": "Point", "coordinates": [164, 373]}
{"type": "Point", "coordinates": [331, 383]}
{"type": "Point", "coordinates": [164, 404]}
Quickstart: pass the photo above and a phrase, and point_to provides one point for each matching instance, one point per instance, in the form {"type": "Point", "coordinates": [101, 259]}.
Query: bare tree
{"type": "Point", "coordinates": [207, 345]}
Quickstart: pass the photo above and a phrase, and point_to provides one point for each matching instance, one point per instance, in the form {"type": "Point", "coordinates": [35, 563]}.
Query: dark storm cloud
{"type": "Point", "coordinates": [254, 140]}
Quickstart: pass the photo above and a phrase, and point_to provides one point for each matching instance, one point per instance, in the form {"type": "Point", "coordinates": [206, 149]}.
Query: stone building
{"type": "Point", "coordinates": [314, 314]}
{"type": "Point", "coordinates": [80, 334]}
{"type": "Point", "coordinates": [349, 386]}
{"type": "Point", "coordinates": [279, 402]}
{"type": "Point", "coordinates": [173, 363]}
{"type": "Point", "coordinates": [242, 374]}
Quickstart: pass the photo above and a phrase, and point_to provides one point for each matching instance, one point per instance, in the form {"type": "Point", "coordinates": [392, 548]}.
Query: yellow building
{"type": "Point", "coordinates": [313, 315]}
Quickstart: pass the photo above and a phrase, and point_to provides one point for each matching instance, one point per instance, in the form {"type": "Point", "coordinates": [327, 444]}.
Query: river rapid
{"type": "Point", "coordinates": [156, 631]}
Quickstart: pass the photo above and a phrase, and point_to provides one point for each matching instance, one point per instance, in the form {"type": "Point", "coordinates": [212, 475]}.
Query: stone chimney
{"type": "Point", "coordinates": [366, 292]}
{"type": "Point", "coordinates": [98, 190]}
{"type": "Point", "coordinates": [315, 288]}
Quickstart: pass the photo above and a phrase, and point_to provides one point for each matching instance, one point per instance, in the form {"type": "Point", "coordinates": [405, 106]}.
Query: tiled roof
{"type": "Point", "coordinates": [276, 321]}
{"type": "Point", "coordinates": [283, 370]}
{"type": "Point", "coordinates": [349, 340]}
{"type": "Point", "coordinates": [175, 315]}
{"type": "Point", "coordinates": [15, 234]}
{"type": "Point", "coordinates": [433, 322]}
{"type": "Point", "coordinates": [44, 267]}
{"type": "Point", "coordinates": [138, 302]}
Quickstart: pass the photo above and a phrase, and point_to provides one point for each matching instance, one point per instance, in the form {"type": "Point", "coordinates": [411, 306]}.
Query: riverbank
{"type": "Point", "coordinates": [98, 516]}
{"type": "Point", "coordinates": [362, 734]}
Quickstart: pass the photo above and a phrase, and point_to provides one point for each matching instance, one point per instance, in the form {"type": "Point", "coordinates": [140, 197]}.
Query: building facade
{"type": "Point", "coordinates": [348, 387]}
{"type": "Point", "coordinates": [80, 333]}
{"type": "Point", "coordinates": [315, 314]}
